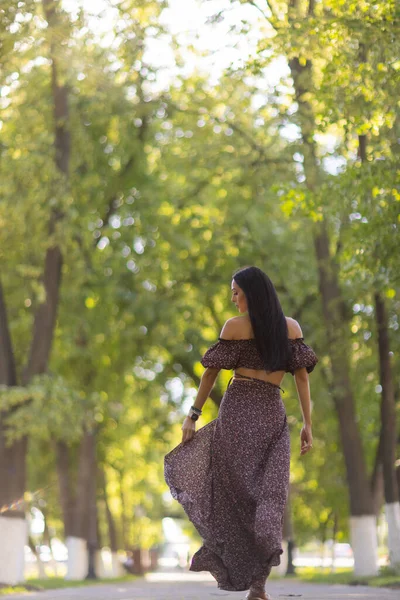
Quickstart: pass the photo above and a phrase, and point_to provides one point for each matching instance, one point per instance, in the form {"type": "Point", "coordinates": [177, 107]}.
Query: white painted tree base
{"type": "Point", "coordinates": [364, 544]}
{"type": "Point", "coordinates": [77, 565]}
{"type": "Point", "coordinates": [41, 569]}
{"type": "Point", "coordinates": [117, 570]}
{"type": "Point", "coordinates": [392, 511]}
{"type": "Point", "coordinates": [54, 567]}
{"type": "Point", "coordinates": [100, 569]}
{"type": "Point", "coordinates": [282, 568]}
{"type": "Point", "coordinates": [13, 537]}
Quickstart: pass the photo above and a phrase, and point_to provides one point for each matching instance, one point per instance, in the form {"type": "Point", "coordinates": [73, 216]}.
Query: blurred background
{"type": "Point", "coordinates": [147, 150]}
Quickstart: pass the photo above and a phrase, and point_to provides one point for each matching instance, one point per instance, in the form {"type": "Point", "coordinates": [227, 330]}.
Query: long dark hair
{"type": "Point", "coordinates": [266, 317]}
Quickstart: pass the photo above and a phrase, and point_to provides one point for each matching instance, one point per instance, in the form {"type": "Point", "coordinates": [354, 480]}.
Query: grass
{"type": "Point", "coordinates": [386, 578]}
{"type": "Point", "coordinates": [55, 583]}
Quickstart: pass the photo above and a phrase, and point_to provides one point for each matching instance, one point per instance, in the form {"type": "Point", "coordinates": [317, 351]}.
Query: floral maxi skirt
{"type": "Point", "coordinates": [232, 480]}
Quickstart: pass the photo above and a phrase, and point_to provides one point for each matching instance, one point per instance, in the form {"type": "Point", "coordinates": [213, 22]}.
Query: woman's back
{"type": "Point", "coordinates": [239, 328]}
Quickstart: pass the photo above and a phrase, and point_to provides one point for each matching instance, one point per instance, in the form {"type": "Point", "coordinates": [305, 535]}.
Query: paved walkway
{"type": "Point", "coordinates": [159, 586]}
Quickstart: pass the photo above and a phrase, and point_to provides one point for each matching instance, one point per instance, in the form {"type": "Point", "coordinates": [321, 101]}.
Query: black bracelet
{"type": "Point", "coordinates": [198, 411]}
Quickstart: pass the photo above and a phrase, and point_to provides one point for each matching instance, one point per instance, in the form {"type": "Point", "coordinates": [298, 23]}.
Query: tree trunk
{"type": "Point", "coordinates": [13, 459]}
{"type": "Point", "coordinates": [363, 521]}
{"type": "Point", "coordinates": [47, 539]}
{"type": "Point", "coordinates": [66, 494]}
{"type": "Point", "coordinates": [388, 437]}
{"type": "Point", "coordinates": [116, 566]}
{"type": "Point", "coordinates": [92, 537]}
{"type": "Point", "coordinates": [40, 565]}
{"type": "Point", "coordinates": [8, 374]}
{"type": "Point", "coordinates": [100, 568]}
{"type": "Point", "coordinates": [77, 542]}
{"type": "Point", "coordinates": [112, 529]}
{"type": "Point", "coordinates": [124, 520]}
{"type": "Point", "coordinates": [12, 463]}
{"type": "Point", "coordinates": [333, 311]}
{"type": "Point", "coordinates": [377, 487]}
{"type": "Point", "coordinates": [45, 318]}
{"type": "Point", "coordinates": [13, 526]}
{"type": "Point", "coordinates": [386, 455]}
{"type": "Point", "coordinates": [46, 314]}
{"type": "Point", "coordinates": [288, 535]}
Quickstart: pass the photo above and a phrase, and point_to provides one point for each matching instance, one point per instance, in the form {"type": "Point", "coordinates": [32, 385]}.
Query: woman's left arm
{"type": "Point", "coordinates": [303, 390]}
{"type": "Point", "coordinates": [207, 382]}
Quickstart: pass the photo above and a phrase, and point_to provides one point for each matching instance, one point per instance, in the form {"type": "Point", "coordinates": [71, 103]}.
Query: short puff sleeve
{"type": "Point", "coordinates": [224, 354]}
{"type": "Point", "coordinates": [302, 356]}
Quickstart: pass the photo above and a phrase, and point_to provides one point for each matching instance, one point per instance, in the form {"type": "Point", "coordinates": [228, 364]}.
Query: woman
{"type": "Point", "coordinates": [232, 476]}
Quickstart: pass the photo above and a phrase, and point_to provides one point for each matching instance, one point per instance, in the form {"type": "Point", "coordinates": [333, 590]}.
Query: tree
{"type": "Point", "coordinates": [42, 338]}
{"type": "Point", "coordinates": [303, 33]}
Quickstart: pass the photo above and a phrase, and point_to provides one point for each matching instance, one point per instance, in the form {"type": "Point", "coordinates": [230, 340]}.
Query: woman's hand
{"type": "Point", "coordinates": [306, 439]}
{"type": "Point", "coordinates": [189, 429]}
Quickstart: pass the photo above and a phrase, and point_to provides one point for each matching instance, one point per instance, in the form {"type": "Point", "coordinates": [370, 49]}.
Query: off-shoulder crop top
{"type": "Point", "coordinates": [233, 354]}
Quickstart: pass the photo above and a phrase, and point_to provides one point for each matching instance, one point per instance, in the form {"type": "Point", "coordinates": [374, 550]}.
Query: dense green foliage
{"type": "Point", "coordinates": [171, 189]}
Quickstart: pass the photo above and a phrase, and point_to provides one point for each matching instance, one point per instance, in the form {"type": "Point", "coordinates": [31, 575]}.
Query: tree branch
{"type": "Point", "coordinates": [45, 317]}
{"type": "Point", "coordinates": [235, 127]}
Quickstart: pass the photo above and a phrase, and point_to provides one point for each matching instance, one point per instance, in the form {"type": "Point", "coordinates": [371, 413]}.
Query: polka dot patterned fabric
{"type": "Point", "coordinates": [232, 480]}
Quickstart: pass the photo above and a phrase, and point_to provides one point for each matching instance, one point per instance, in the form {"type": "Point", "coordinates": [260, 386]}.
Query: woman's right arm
{"type": "Point", "coordinates": [207, 382]}
{"type": "Point", "coordinates": [303, 390]}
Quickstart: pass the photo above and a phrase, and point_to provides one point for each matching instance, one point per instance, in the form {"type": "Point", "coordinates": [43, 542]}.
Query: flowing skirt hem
{"type": "Point", "coordinates": [211, 562]}
{"type": "Point", "coordinates": [233, 488]}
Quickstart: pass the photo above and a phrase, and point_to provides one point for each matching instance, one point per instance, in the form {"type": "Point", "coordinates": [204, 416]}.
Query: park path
{"type": "Point", "coordinates": [161, 586]}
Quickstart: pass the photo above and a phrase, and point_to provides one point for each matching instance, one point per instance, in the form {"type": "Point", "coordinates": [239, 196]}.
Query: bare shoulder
{"type": "Point", "coordinates": [235, 328]}
{"type": "Point", "coordinates": [294, 329]}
